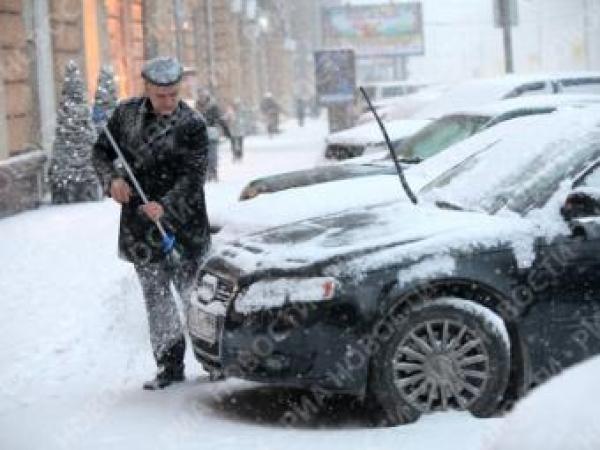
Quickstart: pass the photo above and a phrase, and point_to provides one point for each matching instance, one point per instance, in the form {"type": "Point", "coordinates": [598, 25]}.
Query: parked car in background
{"type": "Point", "coordinates": [421, 308]}
{"type": "Point", "coordinates": [387, 90]}
{"type": "Point", "coordinates": [457, 126]}
{"type": "Point", "coordinates": [404, 108]}
{"type": "Point", "coordinates": [367, 138]}
{"type": "Point", "coordinates": [316, 175]}
{"type": "Point", "coordinates": [477, 92]}
{"type": "Point", "coordinates": [430, 140]}
{"type": "Point", "coordinates": [449, 128]}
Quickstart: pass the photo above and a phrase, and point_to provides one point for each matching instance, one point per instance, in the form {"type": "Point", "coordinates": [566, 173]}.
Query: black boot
{"type": "Point", "coordinates": [166, 376]}
{"type": "Point", "coordinates": [170, 367]}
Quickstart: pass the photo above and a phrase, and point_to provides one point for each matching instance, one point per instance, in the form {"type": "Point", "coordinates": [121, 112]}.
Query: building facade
{"type": "Point", "coordinates": [227, 46]}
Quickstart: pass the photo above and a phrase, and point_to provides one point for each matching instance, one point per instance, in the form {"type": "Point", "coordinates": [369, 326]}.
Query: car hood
{"type": "Point", "coordinates": [365, 238]}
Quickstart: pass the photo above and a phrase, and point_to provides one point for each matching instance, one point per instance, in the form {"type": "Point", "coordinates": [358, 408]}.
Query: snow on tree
{"type": "Point", "coordinates": [71, 174]}
{"type": "Point", "coordinates": [106, 97]}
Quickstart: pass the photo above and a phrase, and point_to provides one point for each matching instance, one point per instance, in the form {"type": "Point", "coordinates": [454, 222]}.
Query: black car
{"type": "Point", "coordinates": [466, 301]}
{"type": "Point", "coordinates": [428, 141]}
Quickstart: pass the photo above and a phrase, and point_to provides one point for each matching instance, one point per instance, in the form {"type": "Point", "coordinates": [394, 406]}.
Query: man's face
{"type": "Point", "coordinates": [164, 99]}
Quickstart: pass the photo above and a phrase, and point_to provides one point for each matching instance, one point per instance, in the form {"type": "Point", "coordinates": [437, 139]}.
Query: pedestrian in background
{"type": "Point", "coordinates": [300, 110]}
{"type": "Point", "coordinates": [270, 110]}
{"type": "Point", "coordinates": [213, 115]}
{"type": "Point", "coordinates": [240, 127]}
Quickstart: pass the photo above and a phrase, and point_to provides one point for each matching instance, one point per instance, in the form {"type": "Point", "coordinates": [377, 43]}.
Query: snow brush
{"type": "Point", "coordinates": [168, 240]}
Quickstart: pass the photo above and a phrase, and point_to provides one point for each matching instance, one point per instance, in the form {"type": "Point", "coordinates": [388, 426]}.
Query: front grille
{"type": "Point", "coordinates": [214, 287]}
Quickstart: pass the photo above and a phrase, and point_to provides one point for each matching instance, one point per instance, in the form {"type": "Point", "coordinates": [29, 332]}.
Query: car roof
{"type": "Point", "coordinates": [485, 90]}
{"type": "Point", "coordinates": [396, 83]}
{"type": "Point", "coordinates": [517, 79]}
{"type": "Point", "coordinates": [499, 107]}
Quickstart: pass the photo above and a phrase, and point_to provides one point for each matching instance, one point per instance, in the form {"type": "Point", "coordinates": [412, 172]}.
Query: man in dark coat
{"type": "Point", "coordinates": [165, 143]}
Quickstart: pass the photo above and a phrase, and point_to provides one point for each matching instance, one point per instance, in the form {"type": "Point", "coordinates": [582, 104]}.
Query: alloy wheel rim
{"type": "Point", "coordinates": [440, 365]}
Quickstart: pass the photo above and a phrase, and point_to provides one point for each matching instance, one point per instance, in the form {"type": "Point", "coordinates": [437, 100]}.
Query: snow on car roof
{"type": "Point", "coordinates": [486, 90]}
{"type": "Point", "coordinates": [530, 102]}
{"type": "Point", "coordinates": [404, 107]}
{"type": "Point", "coordinates": [370, 133]}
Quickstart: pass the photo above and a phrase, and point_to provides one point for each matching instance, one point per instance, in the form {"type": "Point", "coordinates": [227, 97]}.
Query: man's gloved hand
{"type": "Point", "coordinates": [153, 210]}
{"type": "Point", "coordinates": [120, 190]}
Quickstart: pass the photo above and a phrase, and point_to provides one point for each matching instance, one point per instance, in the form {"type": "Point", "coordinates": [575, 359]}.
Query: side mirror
{"type": "Point", "coordinates": [584, 202]}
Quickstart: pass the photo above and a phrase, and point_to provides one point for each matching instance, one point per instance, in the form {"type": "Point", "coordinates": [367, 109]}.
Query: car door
{"type": "Point", "coordinates": [562, 321]}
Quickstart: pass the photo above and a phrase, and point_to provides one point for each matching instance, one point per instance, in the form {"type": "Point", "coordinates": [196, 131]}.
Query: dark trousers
{"type": "Point", "coordinates": [212, 170]}
{"type": "Point", "coordinates": [166, 329]}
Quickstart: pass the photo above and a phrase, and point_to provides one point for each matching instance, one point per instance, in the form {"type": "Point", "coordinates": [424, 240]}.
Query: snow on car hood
{"type": "Point", "coordinates": [370, 237]}
{"type": "Point", "coordinates": [370, 133]}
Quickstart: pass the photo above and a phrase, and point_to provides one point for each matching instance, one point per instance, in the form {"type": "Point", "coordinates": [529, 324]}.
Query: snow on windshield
{"type": "Point", "coordinates": [525, 166]}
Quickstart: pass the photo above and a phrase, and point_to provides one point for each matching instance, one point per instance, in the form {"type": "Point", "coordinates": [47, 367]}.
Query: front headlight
{"type": "Point", "coordinates": [275, 293]}
{"type": "Point", "coordinates": [207, 288]}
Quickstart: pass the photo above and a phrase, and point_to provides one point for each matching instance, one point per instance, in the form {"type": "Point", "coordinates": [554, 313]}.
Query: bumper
{"type": "Point", "coordinates": [298, 345]}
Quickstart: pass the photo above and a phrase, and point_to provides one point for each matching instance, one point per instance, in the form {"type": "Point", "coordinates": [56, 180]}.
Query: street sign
{"type": "Point", "coordinates": [335, 76]}
{"type": "Point", "coordinates": [513, 13]}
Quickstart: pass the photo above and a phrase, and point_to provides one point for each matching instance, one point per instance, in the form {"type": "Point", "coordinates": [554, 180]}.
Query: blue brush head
{"type": "Point", "coordinates": [168, 243]}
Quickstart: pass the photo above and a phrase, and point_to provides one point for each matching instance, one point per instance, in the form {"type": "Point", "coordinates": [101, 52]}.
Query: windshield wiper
{"type": "Point", "coordinates": [447, 205]}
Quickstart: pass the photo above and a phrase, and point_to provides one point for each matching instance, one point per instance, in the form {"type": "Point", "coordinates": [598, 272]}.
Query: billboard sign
{"type": "Point", "coordinates": [386, 29]}
{"type": "Point", "coordinates": [335, 75]}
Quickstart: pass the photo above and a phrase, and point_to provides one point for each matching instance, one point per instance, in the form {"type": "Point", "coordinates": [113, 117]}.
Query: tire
{"type": "Point", "coordinates": [446, 354]}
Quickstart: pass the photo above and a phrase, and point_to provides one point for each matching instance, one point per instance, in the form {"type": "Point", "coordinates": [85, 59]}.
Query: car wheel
{"type": "Point", "coordinates": [450, 353]}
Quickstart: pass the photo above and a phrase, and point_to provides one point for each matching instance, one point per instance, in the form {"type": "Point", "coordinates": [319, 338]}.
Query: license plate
{"type": "Point", "coordinates": [203, 325]}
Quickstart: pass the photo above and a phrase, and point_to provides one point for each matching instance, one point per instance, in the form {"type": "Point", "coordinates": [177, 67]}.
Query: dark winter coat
{"type": "Point", "coordinates": [168, 157]}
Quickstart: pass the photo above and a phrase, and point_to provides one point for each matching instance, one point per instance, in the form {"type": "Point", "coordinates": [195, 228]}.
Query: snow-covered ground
{"type": "Point", "coordinates": [74, 347]}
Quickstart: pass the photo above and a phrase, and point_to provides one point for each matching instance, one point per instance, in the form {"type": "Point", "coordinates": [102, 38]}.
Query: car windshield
{"type": "Point", "coordinates": [440, 135]}
{"type": "Point", "coordinates": [521, 170]}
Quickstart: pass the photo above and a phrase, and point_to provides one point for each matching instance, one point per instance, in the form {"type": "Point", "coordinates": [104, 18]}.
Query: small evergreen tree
{"type": "Point", "coordinates": [71, 174]}
{"type": "Point", "coordinates": [106, 97]}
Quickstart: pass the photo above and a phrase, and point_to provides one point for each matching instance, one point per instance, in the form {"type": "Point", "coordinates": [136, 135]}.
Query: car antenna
{"type": "Point", "coordinates": [403, 181]}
